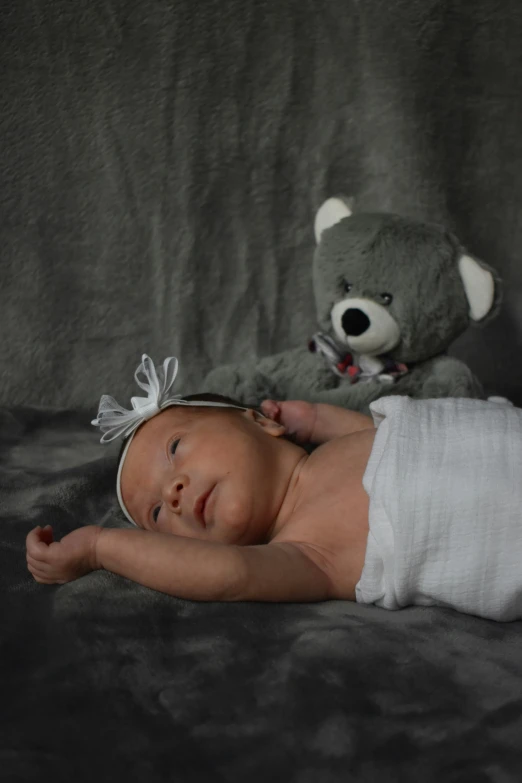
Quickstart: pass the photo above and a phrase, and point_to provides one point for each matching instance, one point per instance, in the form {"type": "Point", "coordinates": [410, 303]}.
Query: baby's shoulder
{"type": "Point", "coordinates": [330, 520]}
{"type": "Point", "coordinates": [340, 459]}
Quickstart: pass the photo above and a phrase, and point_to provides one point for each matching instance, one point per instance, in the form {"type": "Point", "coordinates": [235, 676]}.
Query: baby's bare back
{"type": "Point", "coordinates": [331, 517]}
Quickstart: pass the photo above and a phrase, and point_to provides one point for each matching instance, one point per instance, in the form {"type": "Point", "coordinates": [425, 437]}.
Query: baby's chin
{"type": "Point", "coordinates": [239, 517]}
{"type": "Point", "coordinates": [248, 534]}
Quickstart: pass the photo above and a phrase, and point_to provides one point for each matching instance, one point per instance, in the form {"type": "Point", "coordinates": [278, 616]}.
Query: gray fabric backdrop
{"type": "Point", "coordinates": [161, 163]}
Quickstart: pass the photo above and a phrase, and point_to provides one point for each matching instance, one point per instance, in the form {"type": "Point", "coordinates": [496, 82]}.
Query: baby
{"type": "Point", "coordinates": [418, 505]}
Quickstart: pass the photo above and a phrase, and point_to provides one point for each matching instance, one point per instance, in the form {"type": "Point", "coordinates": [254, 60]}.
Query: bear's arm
{"type": "Point", "coordinates": [281, 376]}
{"type": "Point", "coordinates": [446, 376]}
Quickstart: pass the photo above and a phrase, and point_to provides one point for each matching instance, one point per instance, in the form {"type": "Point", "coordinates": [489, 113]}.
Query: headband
{"type": "Point", "coordinates": [114, 421]}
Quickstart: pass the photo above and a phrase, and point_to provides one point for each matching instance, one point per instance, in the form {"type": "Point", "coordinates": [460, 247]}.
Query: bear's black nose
{"type": "Point", "coordinates": [354, 321]}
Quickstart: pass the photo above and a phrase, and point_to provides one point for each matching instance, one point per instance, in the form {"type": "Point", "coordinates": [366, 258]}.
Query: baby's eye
{"type": "Point", "coordinates": [155, 513]}
{"type": "Point", "coordinates": [174, 446]}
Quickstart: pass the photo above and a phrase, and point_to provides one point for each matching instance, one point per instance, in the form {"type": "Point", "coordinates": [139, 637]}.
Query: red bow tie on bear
{"type": "Point", "coordinates": [343, 363]}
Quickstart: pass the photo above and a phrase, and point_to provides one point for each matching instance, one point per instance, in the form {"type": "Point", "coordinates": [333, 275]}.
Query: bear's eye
{"type": "Point", "coordinates": [347, 286]}
{"type": "Point", "coordinates": [386, 298]}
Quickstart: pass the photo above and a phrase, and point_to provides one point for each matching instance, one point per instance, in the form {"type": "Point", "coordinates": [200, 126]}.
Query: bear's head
{"type": "Point", "coordinates": [385, 284]}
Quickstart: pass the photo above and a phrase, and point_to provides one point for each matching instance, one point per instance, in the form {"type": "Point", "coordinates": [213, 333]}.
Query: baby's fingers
{"type": "Point", "coordinates": [271, 409]}
{"type": "Point", "coordinates": [37, 568]}
{"type": "Point", "coordinates": [44, 579]}
{"type": "Point", "coordinates": [34, 544]}
{"type": "Point", "coordinates": [43, 573]}
{"type": "Point", "coordinates": [38, 574]}
{"type": "Point", "coordinates": [46, 534]}
{"type": "Point", "coordinates": [38, 565]}
{"type": "Point", "coordinates": [39, 544]}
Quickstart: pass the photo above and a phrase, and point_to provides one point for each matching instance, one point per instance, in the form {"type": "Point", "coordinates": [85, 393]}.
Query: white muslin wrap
{"type": "Point", "coordinates": [444, 480]}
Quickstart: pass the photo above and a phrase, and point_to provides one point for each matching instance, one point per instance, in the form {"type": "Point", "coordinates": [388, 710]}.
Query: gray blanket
{"type": "Point", "coordinates": [104, 680]}
{"type": "Point", "coordinates": [160, 166]}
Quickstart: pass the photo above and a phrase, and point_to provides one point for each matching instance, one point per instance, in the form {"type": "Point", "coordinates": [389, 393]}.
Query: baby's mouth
{"type": "Point", "coordinates": [199, 506]}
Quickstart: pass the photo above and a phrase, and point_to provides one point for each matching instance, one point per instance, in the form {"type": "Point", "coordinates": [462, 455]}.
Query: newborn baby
{"type": "Point", "coordinates": [419, 505]}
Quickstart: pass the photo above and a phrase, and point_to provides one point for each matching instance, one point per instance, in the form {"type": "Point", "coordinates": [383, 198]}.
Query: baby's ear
{"type": "Point", "coordinates": [270, 426]}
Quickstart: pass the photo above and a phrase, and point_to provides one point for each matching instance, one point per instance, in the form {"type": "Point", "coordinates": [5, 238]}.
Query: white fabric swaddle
{"type": "Point", "coordinates": [445, 485]}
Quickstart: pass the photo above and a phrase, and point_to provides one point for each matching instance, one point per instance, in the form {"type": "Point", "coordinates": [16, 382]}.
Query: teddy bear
{"type": "Point", "coordinates": [391, 294]}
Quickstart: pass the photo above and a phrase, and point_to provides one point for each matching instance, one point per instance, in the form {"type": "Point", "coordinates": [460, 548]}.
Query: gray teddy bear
{"type": "Point", "coordinates": [391, 295]}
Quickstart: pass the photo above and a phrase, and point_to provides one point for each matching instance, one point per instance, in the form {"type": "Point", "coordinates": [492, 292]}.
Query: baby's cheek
{"type": "Point", "coordinates": [167, 526]}
{"type": "Point", "coordinates": [234, 517]}
{"type": "Point", "coordinates": [176, 527]}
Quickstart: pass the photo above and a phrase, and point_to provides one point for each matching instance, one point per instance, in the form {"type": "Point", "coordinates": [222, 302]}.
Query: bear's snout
{"type": "Point", "coordinates": [354, 321]}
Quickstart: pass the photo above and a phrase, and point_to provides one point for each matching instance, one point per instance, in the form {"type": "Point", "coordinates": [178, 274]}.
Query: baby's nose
{"type": "Point", "coordinates": [173, 491]}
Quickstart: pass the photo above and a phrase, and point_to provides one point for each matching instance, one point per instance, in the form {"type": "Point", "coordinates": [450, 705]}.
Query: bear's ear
{"type": "Point", "coordinates": [331, 212]}
{"type": "Point", "coordinates": [479, 285]}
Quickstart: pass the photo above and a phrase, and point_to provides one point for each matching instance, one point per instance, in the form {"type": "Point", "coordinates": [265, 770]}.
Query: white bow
{"type": "Point", "coordinates": [115, 421]}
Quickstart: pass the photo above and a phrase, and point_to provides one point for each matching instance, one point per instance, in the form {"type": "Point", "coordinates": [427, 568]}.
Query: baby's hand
{"type": "Point", "coordinates": [56, 562]}
{"type": "Point", "coordinates": [296, 416]}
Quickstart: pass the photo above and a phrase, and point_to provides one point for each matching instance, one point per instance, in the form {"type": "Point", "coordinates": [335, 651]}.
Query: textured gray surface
{"type": "Point", "coordinates": [104, 680]}
{"type": "Point", "coordinates": [161, 164]}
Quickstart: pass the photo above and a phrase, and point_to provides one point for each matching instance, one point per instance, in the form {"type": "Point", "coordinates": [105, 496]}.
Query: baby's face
{"type": "Point", "coordinates": [208, 473]}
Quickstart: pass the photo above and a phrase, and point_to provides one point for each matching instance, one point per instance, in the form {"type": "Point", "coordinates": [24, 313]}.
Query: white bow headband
{"type": "Point", "coordinates": [115, 421]}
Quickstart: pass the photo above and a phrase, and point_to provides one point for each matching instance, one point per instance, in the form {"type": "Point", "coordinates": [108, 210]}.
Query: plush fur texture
{"type": "Point", "coordinates": [396, 277]}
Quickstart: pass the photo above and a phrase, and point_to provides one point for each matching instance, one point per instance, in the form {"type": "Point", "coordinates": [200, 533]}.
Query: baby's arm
{"type": "Point", "coordinates": [183, 567]}
{"type": "Point", "coordinates": [208, 571]}
{"type": "Point", "coordinates": [315, 422]}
